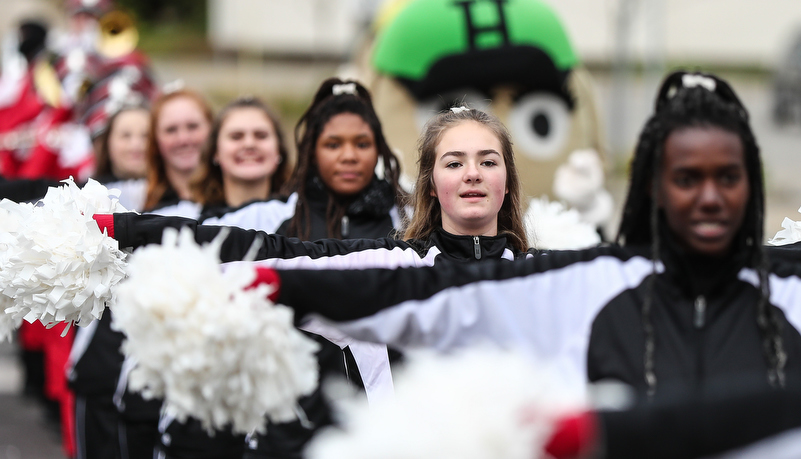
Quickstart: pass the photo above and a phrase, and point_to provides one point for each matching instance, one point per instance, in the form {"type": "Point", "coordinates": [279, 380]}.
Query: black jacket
{"type": "Point", "coordinates": [98, 366]}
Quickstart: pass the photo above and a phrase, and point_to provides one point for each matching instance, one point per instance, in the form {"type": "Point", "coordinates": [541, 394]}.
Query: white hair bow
{"type": "Point", "coordinates": [459, 109]}
{"type": "Point", "coordinates": [691, 81]}
{"type": "Point", "coordinates": [173, 86]}
{"type": "Point", "coordinates": [346, 88]}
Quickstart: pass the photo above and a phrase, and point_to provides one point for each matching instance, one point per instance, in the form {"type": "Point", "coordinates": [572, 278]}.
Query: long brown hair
{"type": "Point", "coordinates": [207, 184]}
{"type": "Point", "coordinates": [103, 166]}
{"type": "Point", "coordinates": [326, 104]}
{"type": "Point", "coordinates": [157, 183]}
{"type": "Point", "coordinates": [427, 213]}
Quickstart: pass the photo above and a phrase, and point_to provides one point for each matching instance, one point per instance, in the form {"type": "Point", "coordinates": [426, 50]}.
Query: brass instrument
{"type": "Point", "coordinates": [118, 35]}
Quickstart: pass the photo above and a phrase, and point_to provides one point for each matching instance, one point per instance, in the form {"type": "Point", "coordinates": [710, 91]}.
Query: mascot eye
{"type": "Point", "coordinates": [540, 124]}
{"type": "Point", "coordinates": [429, 107]}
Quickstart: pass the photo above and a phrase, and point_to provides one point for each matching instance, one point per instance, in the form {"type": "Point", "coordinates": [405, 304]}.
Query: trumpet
{"type": "Point", "coordinates": [118, 35]}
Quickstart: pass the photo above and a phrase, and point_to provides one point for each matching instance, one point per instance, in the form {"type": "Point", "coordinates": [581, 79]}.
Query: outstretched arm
{"type": "Point", "coordinates": [134, 230]}
{"type": "Point", "coordinates": [545, 304]}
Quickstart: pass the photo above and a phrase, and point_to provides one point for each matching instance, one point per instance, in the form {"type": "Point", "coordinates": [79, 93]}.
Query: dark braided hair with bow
{"type": "Point", "coordinates": [698, 100]}
{"type": "Point", "coordinates": [335, 97]}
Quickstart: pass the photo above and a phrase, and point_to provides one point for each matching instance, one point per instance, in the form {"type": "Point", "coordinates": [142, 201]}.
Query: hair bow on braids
{"type": "Point", "coordinates": [699, 100]}
{"type": "Point", "coordinates": [691, 80]}
{"type": "Point", "coordinates": [681, 79]}
{"type": "Point", "coordinates": [346, 88]}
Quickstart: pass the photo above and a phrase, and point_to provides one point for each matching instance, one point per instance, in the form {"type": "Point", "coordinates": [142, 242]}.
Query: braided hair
{"type": "Point", "coordinates": [334, 97]}
{"type": "Point", "coordinates": [699, 100]}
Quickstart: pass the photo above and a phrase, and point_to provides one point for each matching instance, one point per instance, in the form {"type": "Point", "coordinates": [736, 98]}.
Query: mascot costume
{"type": "Point", "coordinates": [512, 57]}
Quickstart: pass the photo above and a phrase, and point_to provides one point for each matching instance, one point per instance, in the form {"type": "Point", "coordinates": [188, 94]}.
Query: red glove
{"type": "Point", "coordinates": [105, 222]}
{"type": "Point", "coordinates": [574, 436]}
{"type": "Point", "coordinates": [269, 276]}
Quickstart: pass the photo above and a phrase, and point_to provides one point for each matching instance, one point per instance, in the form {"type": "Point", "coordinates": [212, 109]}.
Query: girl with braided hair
{"type": "Point", "coordinates": [686, 297]}
{"type": "Point", "coordinates": [724, 231]}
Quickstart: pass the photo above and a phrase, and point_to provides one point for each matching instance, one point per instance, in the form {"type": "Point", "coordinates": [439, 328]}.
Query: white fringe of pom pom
{"type": "Point", "coordinates": [57, 265]}
{"type": "Point", "coordinates": [8, 322]}
{"type": "Point", "coordinates": [224, 355]}
{"type": "Point", "coordinates": [579, 182]}
{"type": "Point", "coordinates": [789, 235]}
{"type": "Point", "coordinates": [553, 227]}
{"type": "Point", "coordinates": [479, 404]}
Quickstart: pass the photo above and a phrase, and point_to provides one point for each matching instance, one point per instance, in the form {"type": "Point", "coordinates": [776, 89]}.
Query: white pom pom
{"type": "Point", "coordinates": [789, 235]}
{"type": "Point", "coordinates": [480, 404]}
{"type": "Point", "coordinates": [551, 226]}
{"type": "Point", "coordinates": [213, 350]}
{"type": "Point", "coordinates": [58, 266]}
{"type": "Point", "coordinates": [579, 182]}
{"type": "Point", "coordinates": [578, 179]}
{"type": "Point", "coordinates": [8, 322]}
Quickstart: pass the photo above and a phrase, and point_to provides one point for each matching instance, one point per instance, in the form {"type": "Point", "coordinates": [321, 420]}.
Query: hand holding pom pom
{"type": "Point", "coordinates": [57, 266]}
{"type": "Point", "coordinates": [267, 276]}
{"type": "Point", "coordinates": [573, 436]}
{"type": "Point", "coordinates": [212, 347]}
{"type": "Point", "coordinates": [106, 223]}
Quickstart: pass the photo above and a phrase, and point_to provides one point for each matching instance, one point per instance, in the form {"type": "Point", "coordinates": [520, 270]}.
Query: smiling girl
{"type": "Point", "coordinates": [246, 159]}
{"type": "Point", "coordinates": [180, 121]}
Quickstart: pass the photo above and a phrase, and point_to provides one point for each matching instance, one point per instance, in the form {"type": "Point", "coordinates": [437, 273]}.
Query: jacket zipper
{"type": "Point", "coordinates": [476, 248]}
{"type": "Point", "coordinates": [700, 311]}
{"type": "Point", "coordinates": [345, 226]}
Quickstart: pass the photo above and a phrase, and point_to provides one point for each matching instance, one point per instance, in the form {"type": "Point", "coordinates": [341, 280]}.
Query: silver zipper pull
{"type": "Point", "coordinates": [345, 226]}
{"type": "Point", "coordinates": [700, 310]}
{"type": "Point", "coordinates": [476, 248]}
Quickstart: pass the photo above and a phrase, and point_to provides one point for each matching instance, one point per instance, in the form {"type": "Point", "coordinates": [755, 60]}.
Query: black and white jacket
{"type": "Point", "coordinates": [581, 308]}
{"type": "Point", "coordinates": [278, 251]}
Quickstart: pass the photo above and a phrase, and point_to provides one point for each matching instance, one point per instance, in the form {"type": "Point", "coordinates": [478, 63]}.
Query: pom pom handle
{"type": "Point", "coordinates": [269, 276]}
{"type": "Point", "coordinates": [105, 222]}
{"type": "Point", "coordinates": [573, 436]}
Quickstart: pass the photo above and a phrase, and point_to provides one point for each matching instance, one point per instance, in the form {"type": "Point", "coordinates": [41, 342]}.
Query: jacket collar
{"type": "Point", "coordinates": [699, 274]}
{"type": "Point", "coordinates": [469, 248]}
{"type": "Point", "coordinates": [374, 201]}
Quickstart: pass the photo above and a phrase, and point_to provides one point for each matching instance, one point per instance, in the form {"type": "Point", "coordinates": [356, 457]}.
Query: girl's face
{"type": "Point", "coordinates": [247, 146]}
{"type": "Point", "coordinates": [181, 130]}
{"type": "Point", "coordinates": [704, 188]}
{"type": "Point", "coordinates": [469, 179]}
{"type": "Point", "coordinates": [127, 144]}
{"type": "Point", "coordinates": [346, 154]}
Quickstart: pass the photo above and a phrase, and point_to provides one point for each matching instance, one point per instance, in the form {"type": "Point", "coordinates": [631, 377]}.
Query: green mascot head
{"type": "Point", "coordinates": [512, 57]}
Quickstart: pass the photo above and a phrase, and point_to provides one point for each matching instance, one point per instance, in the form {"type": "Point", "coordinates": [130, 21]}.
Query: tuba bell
{"type": "Point", "coordinates": [118, 35]}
